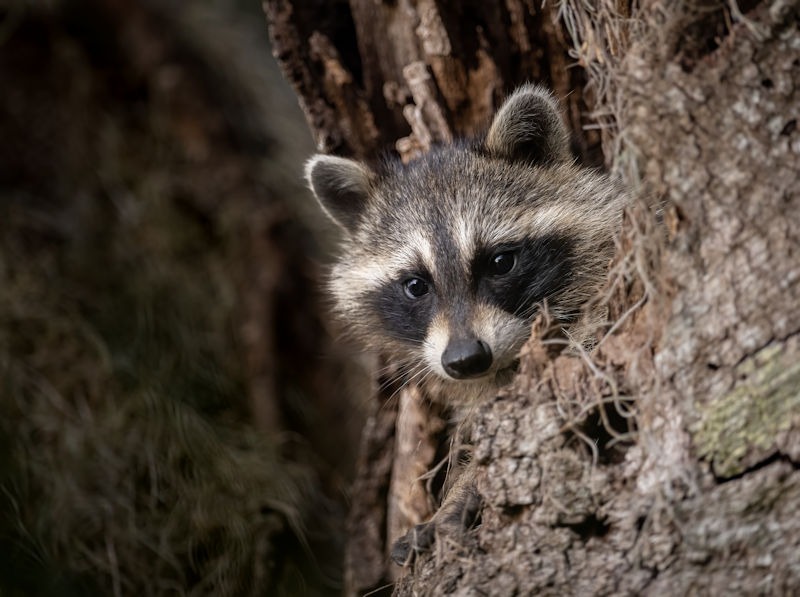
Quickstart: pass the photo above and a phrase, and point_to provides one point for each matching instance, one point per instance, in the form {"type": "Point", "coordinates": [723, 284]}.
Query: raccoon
{"type": "Point", "coordinates": [446, 260]}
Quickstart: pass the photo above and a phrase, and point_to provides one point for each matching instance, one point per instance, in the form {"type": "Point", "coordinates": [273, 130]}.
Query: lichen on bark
{"type": "Point", "coordinates": [748, 424]}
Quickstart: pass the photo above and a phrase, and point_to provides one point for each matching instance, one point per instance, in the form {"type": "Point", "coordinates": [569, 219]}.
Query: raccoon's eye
{"type": "Point", "coordinates": [502, 263]}
{"type": "Point", "coordinates": [415, 287]}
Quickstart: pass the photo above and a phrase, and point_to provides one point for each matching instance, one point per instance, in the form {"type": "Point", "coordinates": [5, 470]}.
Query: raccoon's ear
{"type": "Point", "coordinates": [341, 186]}
{"type": "Point", "coordinates": [528, 127]}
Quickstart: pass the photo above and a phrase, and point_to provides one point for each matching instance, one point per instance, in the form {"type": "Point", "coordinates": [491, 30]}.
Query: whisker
{"type": "Point", "coordinates": [411, 378]}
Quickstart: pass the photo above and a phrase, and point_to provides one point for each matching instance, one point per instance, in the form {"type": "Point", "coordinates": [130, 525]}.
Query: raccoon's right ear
{"type": "Point", "coordinates": [528, 127]}
{"type": "Point", "coordinates": [341, 186]}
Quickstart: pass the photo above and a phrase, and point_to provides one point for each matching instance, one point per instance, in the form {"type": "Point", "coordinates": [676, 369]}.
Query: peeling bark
{"type": "Point", "coordinates": [357, 68]}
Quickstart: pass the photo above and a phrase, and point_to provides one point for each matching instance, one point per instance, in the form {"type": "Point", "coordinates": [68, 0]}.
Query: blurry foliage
{"type": "Point", "coordinates": [120, 461]}
{"type": "Point", "coordinates": [127, 464]}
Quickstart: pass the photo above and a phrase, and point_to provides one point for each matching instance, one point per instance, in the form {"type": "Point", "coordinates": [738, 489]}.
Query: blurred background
{"type": "Point", "coordinates": [176, 415]}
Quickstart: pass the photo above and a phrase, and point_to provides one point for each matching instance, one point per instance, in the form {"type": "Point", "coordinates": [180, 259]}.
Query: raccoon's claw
{"type": "Point", "coordinates": [416, 541]}
{"type": "Point", "coordinates": [454, 518]}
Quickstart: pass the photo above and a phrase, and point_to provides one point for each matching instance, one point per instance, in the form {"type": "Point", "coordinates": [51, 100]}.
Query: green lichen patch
{"type": "Point", "coordinates": [742, 427]}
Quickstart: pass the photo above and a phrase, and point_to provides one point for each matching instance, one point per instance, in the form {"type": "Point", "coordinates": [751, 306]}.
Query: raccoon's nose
{"type": "Point", "coordinates": [466, 358]}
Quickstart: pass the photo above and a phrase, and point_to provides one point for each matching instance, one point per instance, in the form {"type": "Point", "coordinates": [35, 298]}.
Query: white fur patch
{"type": "Point", "coordinates": [505, 233]}
{"type": "Point", "coordinates": [418, 246]}
{"type": "Point", "coordinates": [435, 344]}
{"type": "Point", "coordinates": [464, 236]}
{"type": "Point", "coordinates": [377, 270]}
{"type": "Point", "coordinates": [555, 217]}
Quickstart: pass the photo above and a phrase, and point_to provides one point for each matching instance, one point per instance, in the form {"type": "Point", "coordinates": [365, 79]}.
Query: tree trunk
{"type": "Point", "coordinates": [378, 74]}
{"type": "Point", "coordinates": [666, 460]}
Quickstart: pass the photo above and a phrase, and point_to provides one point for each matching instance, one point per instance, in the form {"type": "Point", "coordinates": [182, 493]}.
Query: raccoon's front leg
{"type": "Point", "coordinates": [458, 513]}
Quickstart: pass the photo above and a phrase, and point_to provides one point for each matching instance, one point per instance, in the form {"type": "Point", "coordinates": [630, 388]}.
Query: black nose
{"type": "Point", "coordinates": [466, 358]}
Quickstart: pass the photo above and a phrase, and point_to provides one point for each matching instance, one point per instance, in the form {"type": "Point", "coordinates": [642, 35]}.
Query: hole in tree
{"type": "Point", "coordinates": [592, 526]}
{"type": "Point", "coordinates": [610, 428]}
{"type": "Point", "coordinates": [513, 511]}
{"type": "Point", "coordinates": [705, 35]}
{"type": "Point", "coordinates": [640, 523]}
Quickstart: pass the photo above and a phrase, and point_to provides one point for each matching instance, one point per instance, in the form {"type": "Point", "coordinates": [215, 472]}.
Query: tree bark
{"type": "Point", "coordinates": [383, 74]}
{"type": "Point", "coordinates": [666, 460]}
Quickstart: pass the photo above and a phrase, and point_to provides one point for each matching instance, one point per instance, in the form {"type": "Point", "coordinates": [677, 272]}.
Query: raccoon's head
{"type": "Point", "coordinates": [446, 260]}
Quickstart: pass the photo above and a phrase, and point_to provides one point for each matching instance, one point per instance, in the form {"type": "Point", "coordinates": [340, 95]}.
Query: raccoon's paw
{"type": "Point", "coordinates": [458, 514]}
{"type": "Point", "coordinates": [416, 541]}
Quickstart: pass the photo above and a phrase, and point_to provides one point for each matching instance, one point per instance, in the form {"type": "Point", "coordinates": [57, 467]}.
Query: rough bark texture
{"type": "Point", "coordinates": [378, 74]}
{"type": "Point", "coordinates": [666, 460]}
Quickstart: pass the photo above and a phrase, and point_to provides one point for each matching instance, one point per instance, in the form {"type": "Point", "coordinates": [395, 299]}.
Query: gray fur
{"type": "Point", "coordinates": [341, 186]}
{"type": "Point", "coordinates": [436, 216]}
{"type": "Point", "coordinates": [528, 127]}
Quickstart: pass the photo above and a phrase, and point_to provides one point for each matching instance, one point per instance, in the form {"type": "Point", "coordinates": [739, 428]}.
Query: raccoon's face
{"type": "Point", "coordinates": [447, 260]}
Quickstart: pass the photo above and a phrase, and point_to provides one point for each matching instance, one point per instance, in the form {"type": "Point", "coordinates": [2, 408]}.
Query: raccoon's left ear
{"type": "Point", "coordinates": [528, 127]}
{"type": "Point", "coordinates": [341, 186]}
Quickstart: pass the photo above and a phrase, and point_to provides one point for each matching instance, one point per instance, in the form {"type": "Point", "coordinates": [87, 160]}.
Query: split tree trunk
{"type": "Point", "coordinates": [665, 461]}
{"type": "Point", "coordinates": [378, 74]}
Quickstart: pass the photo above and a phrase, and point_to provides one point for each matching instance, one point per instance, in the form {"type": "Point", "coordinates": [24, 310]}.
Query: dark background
{"type": "Point", "coordinates": [176, 415]}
